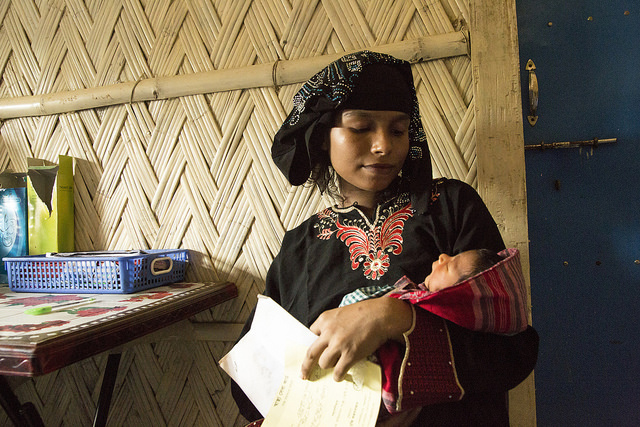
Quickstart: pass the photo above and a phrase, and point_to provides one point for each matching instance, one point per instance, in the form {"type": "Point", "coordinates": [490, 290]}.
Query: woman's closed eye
{"type": "Point", "coordinates": [397, 132]}
{"type": "Point", "coordinates": [362, 129]}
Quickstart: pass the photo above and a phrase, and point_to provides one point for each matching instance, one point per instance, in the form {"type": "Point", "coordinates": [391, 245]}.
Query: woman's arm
{"type": "Point", "coordinates": [440, 363]}
{"type": "Point", "coordinates": [351, 333]}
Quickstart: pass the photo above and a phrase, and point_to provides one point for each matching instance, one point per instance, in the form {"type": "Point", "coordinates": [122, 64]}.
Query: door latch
{"type": "Point", "coordinates": [533, 93]}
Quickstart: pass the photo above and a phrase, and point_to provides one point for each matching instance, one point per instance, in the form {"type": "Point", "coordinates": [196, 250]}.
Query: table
{"type": "Point", "coordinates": [32, 345]}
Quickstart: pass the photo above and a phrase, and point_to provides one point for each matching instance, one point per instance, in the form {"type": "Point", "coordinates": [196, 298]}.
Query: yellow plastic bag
{"type": "Point", "coordinates": [50, 207]}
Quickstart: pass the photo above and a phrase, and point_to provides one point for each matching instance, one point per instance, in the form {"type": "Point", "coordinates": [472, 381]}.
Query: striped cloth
{"type": "Point", "coordinates": [491, 301]}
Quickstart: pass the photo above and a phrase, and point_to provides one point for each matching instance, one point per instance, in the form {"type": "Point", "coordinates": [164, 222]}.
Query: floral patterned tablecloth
{"type": "Point", "coordinates": [35, 344]}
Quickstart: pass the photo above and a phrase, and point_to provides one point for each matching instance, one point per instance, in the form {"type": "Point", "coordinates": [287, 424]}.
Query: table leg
{"type": "Point", "coordinates": [106, 390]}
{"type": "Point", "coordinates": [20, 414]}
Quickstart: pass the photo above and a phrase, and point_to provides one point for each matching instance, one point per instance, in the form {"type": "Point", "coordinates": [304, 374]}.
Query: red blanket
{"type": "Point", "coordinates": [492, 301]}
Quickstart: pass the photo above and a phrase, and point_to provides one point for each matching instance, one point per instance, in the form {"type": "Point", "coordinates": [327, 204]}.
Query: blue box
{"type": "Point", "coordinates": [14, 230]}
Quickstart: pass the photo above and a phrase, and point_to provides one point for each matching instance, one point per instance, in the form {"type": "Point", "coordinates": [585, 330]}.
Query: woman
{"type": "Point", "coordinates": [355, 132]}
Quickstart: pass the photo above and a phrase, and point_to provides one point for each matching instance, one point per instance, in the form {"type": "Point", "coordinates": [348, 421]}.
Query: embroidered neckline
{"type": "Point", "coordinates": [370, 244]}
{"type": "Point", "coordinates": [402, 198]}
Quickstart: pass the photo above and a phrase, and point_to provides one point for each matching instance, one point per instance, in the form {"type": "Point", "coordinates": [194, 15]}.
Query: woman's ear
{"type": "Point", "coordinates": [336, 121]}
{"type": "Point", "coordinates": [326, 142]}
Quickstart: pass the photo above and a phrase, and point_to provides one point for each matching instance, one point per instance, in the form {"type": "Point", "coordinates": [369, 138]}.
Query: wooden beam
{"type": "Point", "coordinates": [500, 145]}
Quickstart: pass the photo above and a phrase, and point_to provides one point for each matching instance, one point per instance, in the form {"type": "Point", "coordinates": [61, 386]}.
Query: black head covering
{"type": "Point", "coordinates": [364, 80]}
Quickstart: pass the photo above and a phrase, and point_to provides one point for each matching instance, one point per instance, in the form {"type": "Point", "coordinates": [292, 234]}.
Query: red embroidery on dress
{"type": "Point", "coordinates": [435, 193]}
{"type": "Point", "coordinates": [326, 232]}
{"type": "Point", "coordinates": [371, 247]}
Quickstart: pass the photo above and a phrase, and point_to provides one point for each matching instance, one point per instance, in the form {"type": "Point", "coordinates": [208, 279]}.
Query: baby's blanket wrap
{"type": "Point", "coordinates": [492, 301]}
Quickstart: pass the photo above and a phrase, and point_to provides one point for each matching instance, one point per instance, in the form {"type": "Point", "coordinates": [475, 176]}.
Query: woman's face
{"type": "Point", "coordinates": [367, 150]}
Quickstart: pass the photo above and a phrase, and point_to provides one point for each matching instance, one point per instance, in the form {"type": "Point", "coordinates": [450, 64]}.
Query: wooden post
{"type": "Point", "coordinates": [500, 145]}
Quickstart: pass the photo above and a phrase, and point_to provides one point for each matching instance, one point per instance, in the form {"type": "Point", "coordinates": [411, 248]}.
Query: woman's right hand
{"type": "Point", "coordinates": [351, 333]}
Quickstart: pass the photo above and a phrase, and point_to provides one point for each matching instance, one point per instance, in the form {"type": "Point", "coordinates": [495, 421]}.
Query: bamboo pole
{"type": "Point", "coordinates": [277, 73]}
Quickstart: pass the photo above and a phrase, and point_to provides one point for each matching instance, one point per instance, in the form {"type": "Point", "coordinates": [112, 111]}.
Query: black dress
{"type": "Point", "coordinates": [460, 377]}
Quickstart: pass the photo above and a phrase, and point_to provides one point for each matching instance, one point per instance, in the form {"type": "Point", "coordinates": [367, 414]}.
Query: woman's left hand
{"type": "Point", "coordinates": [351, 333]}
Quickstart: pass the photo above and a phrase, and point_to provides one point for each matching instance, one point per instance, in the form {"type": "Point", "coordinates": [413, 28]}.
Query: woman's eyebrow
{"type": "Point", "coordinates": [356, 113]}
{"type": "Point", "coordinates": [400, 117]}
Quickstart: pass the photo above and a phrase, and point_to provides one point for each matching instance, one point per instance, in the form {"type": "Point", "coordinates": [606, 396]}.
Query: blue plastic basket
{"type": "Point", "coordinates": [96, 272]}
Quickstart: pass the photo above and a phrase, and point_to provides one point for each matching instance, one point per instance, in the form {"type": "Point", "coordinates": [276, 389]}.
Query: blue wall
{"type": "Point", "coordinates": [584, 208]}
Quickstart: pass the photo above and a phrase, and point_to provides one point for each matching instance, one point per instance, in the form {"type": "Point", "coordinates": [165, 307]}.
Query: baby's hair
{"type": "Point", "coordinates": [485, 260]}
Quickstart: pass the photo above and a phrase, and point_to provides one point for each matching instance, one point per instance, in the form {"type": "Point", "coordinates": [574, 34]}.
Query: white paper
{"type": "Point", "coordinates": [321, 401]}
{"type": "Point", "coordinates": [257, 361]}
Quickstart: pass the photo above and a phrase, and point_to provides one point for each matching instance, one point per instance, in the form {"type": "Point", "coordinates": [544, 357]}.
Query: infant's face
{"type": "Point", "coordinates": [447, 270]}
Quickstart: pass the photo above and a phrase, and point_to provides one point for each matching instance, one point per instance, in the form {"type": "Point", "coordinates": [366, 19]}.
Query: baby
{"type": "Point", "coordinates": [466, 289]}
{"type": "Point", "coordinates": [446, 271]}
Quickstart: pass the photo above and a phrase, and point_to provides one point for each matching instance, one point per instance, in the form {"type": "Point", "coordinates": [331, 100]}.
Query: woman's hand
{"type": "Point", "coordinates": [351, 333]}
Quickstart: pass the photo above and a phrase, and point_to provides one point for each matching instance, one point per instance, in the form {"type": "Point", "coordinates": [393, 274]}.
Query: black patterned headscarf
{"type": "Point", "coordinates": [353, 81]}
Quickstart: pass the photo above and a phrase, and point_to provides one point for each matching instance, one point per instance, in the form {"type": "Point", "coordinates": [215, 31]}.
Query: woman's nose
{"type": "Point", "coordinates": [381, 143]}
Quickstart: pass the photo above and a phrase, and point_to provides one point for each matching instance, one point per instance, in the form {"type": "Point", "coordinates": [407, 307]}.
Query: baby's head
{"type": "Point", "coordinates": [448, 270]}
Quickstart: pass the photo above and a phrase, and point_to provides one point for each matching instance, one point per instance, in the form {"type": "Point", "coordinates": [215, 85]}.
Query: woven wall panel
{"type": "Point", "coordinates": [195, 172]}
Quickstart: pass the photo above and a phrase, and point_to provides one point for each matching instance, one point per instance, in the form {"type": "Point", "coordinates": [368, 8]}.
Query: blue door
{"type": "Point", "coordinates": [584, 207]}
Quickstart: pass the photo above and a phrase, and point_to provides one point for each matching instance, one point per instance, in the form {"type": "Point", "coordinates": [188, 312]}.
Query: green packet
{"type": "Point", "coordinates": [50, 205]}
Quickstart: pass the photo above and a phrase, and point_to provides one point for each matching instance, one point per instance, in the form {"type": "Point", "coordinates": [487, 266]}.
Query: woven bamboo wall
{"type": "Point", "coordinates": [195, 172]}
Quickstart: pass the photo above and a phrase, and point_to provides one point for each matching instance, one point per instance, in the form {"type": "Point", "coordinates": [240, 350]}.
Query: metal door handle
{"type": "Point", "coordinates": [533, 93]}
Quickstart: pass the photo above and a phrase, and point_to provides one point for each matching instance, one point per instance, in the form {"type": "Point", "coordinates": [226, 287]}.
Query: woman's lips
{"type": "Point", "coordinates": [379, 166]}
